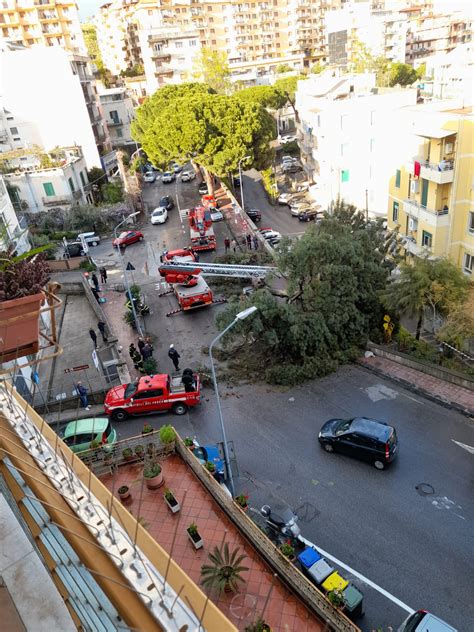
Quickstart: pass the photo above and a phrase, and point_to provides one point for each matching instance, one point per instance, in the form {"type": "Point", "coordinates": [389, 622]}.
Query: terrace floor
{"type": "Point", "coordinates": [284, 611]}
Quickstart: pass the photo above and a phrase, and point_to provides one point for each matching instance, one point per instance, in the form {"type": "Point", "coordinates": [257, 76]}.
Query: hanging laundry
{"type": "Point", "coordinates": [417, 169]}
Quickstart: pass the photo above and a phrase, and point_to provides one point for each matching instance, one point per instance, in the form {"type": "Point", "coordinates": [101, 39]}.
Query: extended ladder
{"type": "Point", "coordinates": [219, 269]}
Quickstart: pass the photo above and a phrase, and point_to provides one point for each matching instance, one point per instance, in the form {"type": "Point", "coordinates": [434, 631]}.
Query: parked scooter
{"type": "Point", "coordinates": [281, 524]}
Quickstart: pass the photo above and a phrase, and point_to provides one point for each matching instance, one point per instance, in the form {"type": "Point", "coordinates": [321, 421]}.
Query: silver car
{"type": "Point", "coordinates": [187, 176]}
{"type": "Point", "coordinates": [168, 177]}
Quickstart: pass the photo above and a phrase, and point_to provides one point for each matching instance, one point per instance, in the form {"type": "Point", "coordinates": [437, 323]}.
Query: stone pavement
{"type": "Point", "coordinates": [443, 392]}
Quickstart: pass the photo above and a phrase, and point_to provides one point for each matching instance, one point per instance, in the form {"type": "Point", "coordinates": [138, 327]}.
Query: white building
{"type": "Point", "coordinates": [168, 55]}
{"type": "Point", "coordinates": [350, 138]}
{"type": "Point", "coordinates": [49, 100]}
{"type": "Point", "coordinates": [119, 113]}
{"type": "Point", "coordinates": [13, 228]}
{"type": "Point", "coordinates": [451, 75]}
{"type": "Point", "coordinates": [34, 189]}
{"type": "Point", "coordinates": [117, 36]}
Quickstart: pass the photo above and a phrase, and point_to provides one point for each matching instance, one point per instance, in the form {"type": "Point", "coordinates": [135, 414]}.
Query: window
{"type": "Point", "coordinates": [395, 211]}
{"type": "Point", "coordinates": [119, 133]}
{"type": "Point", "coordinates": [179, 44]}
{"type": "Point", "coordinates": [14, 131]}
{"type": "Point", "coordinates": [397, 178]}
{"type": "Point", "coordinates": [83, 180]}
{"type": "Point", "coordinates": [344, 148]}
{"type": "Point", "coordinates": [71, 184]}
{"type": "Point", "coordinates": [468, 263]}
{"type": "Point", "coordinates": [470, 224]}
{"type": "Point", "coordinates": [426, 239]}
{"type": "Point", "coordinates": [345, 175]}
{"type": "Point", "coordinates": [48, 188]}
{"type": "Point", "coordinates": [372, 144]}
{"type": "Point", "coordinates": [192, 42]}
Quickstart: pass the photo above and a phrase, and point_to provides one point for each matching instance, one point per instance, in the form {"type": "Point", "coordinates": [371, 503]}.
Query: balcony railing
{"type": "Point", "coordinates": [439, 217]}
{"type": "Point", "coordinates": [441, 173]}
{"type": "Point", "coordinates": [57, 200]}
{"type": "Point", "coordinates": [114, 122]}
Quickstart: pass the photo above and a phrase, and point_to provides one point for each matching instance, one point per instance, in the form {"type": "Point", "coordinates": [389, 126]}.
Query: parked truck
{"type": "Point", "coordinates": [200, 229]}
{"type": "Point", "coordinates": [153, 394]}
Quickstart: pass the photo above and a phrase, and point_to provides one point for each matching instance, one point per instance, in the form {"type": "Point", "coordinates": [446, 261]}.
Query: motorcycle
{"type": "Point", "coordinates": [281, 524]}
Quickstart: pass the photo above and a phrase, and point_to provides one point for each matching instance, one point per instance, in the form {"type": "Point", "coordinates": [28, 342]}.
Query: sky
{"type": "Point", "coordinates": [87, 8]}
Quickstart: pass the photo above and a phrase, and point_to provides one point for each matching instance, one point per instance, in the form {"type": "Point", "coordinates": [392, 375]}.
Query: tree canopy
{"type": "Point", "coordinates": [402, 74]}
{"type": "Point", "coordinates": [426, 283]}
{"type": "Point", "coordinates": [334, 275]}
{"type": "Point", "coordinates": [190, 121]}
{"type": "Point", "coordinates": [266, 96]}
{"type": "Point", "coordinates": [288, 85]}
{"type": "Point", "coordinates": [211, 67]}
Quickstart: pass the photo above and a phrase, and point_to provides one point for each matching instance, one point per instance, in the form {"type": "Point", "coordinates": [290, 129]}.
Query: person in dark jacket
{"type": "Point", "coordinates": [101, 328]}
{"type": "Point", "coordinates": [147, 351]}
{"type": "Point", "coordinates": [93, 336]}
{"type": "Point", "coordinates": [141, 344]}
{"type": "Point", "coordinates": [174, 355]}
{"type": "Point", "coordinates": [103, 275]}
{"type": "Point", "coordinates": [188, 380]}
{"type": "Point", "coordinates": [82, 392]}
{"type": "Point", "coordinates": [95, 281]}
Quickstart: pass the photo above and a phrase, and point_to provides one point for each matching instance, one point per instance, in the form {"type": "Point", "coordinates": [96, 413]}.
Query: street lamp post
{"type": "Point", "coordinates": [125, 276]}
{"type": "Point", "coordinates": [241, 181]}
{"type": "Point", "coordinates": [239, 317]}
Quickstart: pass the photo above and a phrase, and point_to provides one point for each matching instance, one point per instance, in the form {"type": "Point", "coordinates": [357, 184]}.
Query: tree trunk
{"type": "Point", "coordinates": [419, 323]}
{"type": "Point", "coordinates": [196, 167]}
{"type": "Point", "coordinates": [292, 104]}
{"type": "Point", "coordinates": [209, 181]}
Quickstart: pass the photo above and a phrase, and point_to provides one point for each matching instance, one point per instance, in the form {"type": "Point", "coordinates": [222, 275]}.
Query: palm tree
{"type": "Point", "coordinates": [224, 574]}
{"type": "Point", "coordinates": [426, 282]}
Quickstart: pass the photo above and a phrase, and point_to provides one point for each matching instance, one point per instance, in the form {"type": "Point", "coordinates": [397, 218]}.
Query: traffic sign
{"type": "Point", "coordinates": [130, 266]}
{"type": "Point", "coordinates": [77, 368]}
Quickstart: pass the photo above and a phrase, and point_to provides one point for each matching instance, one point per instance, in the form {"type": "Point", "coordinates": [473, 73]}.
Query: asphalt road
{"type": "Point", "coordinates": [409, 528]}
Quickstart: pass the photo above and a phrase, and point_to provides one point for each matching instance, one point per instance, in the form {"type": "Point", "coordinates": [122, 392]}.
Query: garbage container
{"type": "Point", "coordinates": [334, 581]}
{"type": "Point", "coordinates": [308, 557]}
{"type": "Point", "coordinates": [319, 571]}
{"type": "Point", "coordinates": [353, 599]}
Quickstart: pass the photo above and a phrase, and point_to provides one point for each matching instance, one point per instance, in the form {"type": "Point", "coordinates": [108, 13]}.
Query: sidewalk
{"type": "Point", "coordinates": [433, 388]}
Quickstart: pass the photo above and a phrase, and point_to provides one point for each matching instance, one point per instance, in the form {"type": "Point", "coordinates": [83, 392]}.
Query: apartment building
{"type": "Point", "coordinates": [53, 104]}
{"type": "Point", "coordinates": [256, 36]}
{"type": "Point", "coordinates": [46, 22]}
{"type": "Point", "coordinates": [450, 75]}
{"type": "Point", "coordinates": [35, 189]}
{"type": "Point", "coordinates": [119, 113]}
{"type": "Point", "coordinates": [431, 193]}
{"type": "Point", "coordinates": [381, 28]}
{"type": "Point", "coordinates": [117, 35]}
{"type": "Point", "coordinates": [350, 138]}
{"type": "Point", "coordinates": [13, 227]}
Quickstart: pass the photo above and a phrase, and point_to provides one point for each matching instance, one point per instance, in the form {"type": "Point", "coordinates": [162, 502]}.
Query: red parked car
{"type": "Point", "coordinates": [128, 237]}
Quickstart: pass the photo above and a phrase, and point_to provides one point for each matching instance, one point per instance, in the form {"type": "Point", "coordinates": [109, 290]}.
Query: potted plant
{"type": "Point", "coordinates": [242, 501]}
{"type": "Point", "coordinates": [127, 454]}
{"type": "Point", "coordinates": [288, 550]}
{"type": "Point", "coordinates": [94, 445]}
{"type": "Point", "coordinates": [189, 443]}
{"type": "Point", "coordinates": [171, 501]}
{"type": "Point", "coordinates": [167, 434]}
{"type": "Point", "coordinates": [124, 492]}
{"type": "Point", "coordinates": [194, 536]}
{"type": "Point", "coordinates": [22, 279]}
{"type": "Point", "coordinates": [259, 626]}
{"type": "Point", "coordinates": [150, 449]}
{"type": "Point", "coordinates": [210, 467]}
{"type": "Point", "coordinates": [147, 428]}
{"type": "Point", "coordinates": [336, 597]}
{"type": "Point", "coordinates": [108, 457]}
{"type": "Point", "coordinates": [153, 475]}
{"type": "Point", "coordinates": [139, 451]}
{"type": "Point", "coordinates": [225, 570]}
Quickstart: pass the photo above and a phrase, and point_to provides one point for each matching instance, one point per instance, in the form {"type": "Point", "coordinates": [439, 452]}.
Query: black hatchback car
{"type": "Point", "coordinates": [254, 214]}
{"type": "Point", "coordinates": [362, 438]}
{"type": "Point", "coordinates": [166, 202]}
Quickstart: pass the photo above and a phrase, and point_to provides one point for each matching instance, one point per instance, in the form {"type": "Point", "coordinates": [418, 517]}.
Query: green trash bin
{"type": "Point", "coordinates": [353, 599]}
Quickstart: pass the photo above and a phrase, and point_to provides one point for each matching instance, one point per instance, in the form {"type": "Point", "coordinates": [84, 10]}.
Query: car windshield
{"type": "Point", "coordinates": [343, 426]}
{"type": "Point", "coordinates": [163, 201]}
{"type": "Point", "coordinates": [130, 389]}
{"type": "Point", "coordinates": [123, 235]}
{"type": "Point", "coordinates": [158, 211]}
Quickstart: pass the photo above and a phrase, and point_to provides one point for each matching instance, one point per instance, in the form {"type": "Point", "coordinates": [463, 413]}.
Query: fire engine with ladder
{"type": "Point", "coordinates": [185, 275]}
{"type": "Point", "coordinates": [200, 228]}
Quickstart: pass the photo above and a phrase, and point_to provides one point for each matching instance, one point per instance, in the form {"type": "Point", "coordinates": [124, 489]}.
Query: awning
{"type": "Point", "coordinates": [435, 133]}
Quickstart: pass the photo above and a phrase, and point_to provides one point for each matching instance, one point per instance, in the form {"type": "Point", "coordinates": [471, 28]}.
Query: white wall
{"type": "Point", "coordinates": [15, 235]}
{"type": "Point", "coordinates": [39, 88]}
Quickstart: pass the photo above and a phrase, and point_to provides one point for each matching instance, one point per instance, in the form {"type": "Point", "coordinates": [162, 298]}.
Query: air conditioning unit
{"type": "Point", "coordinates": [448, 148]}
{"type": "Point", "coordinates": [414, 186]}
{"type": "Point", "coordinates": [412, 224]}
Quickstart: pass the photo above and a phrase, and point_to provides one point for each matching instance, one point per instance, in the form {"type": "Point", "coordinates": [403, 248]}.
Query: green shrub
{"type": "Point", "coordinates": [149, 366]}
{"type": "Point", "coordinates": [269, 184]}
{"type": "Point", "coordinates": [88, 266]}
{"type": "Point", "coordinates": [291, 148]}
{"type": "Point", "coordinates": [167, 434]}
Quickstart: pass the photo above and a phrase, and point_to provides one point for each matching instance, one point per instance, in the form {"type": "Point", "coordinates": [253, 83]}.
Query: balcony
{"type": "Point", "coordinates": [57, 200]}
{"type": "Point", "coordinates": [434, 218]}
{"type": "Point", "coordinates": [433, 172]}
{"type": "Point", "coordinates": [114, 122]}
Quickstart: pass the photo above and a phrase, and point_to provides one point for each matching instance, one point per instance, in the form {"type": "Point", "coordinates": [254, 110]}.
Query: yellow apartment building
{"type": "Point", "coordinates": [431, 196]}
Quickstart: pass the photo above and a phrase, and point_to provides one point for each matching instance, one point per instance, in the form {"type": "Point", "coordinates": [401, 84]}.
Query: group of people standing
{"type": "Point", "coordinates": [247, 241]}
{"type": "Point", "coordinates": [101, 327]}
{"type": "Point", "coordinates": [94, 281]}
{"type": "Point", "coordinates": [144, 352]}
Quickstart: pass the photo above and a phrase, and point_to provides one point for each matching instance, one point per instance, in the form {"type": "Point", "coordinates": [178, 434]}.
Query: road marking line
{"type": "Point", "coordinates": [469, 448]}
{"type": "Point", "coordinates": [367, 581]}
{"type": "Point", "coordinates": [413, 398]}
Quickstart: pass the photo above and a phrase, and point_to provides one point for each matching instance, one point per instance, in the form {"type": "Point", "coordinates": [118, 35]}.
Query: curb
{"type": "Point", "coordinates": [418, 390]}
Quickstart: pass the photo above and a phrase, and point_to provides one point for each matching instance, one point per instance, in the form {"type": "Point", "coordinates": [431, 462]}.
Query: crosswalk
{"type": "Point", "coordinates": [183, 213]}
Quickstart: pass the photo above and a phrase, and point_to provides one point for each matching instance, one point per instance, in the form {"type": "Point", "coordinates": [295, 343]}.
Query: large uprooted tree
{"type": "Point", "coordinates": [335, 274]}
{"type": "Point", "coordinates": [191, 122]}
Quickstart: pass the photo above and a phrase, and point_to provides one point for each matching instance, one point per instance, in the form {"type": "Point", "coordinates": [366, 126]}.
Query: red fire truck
{"type": "Point", "coordinates": [151, 394]}
{"type": "Point", "coordinates": [200, 229]}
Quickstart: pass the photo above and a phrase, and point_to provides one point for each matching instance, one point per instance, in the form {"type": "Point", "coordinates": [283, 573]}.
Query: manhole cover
{"type": "Point", "coordinates": [424, 489]}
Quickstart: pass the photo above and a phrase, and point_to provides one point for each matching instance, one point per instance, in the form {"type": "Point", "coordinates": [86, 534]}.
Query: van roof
{"type": "Point", "coordinates": [84, 426]}
{"type": "Point", "coordinates": [371, 428]}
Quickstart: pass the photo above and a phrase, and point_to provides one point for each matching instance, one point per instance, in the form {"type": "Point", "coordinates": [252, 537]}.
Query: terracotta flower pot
{"type": "Point", "coordinates": [19, 326]}
{"type": "Point", "coordinates": [155, 481]}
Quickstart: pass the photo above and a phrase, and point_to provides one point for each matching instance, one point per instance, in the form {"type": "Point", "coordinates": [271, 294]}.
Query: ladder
{"type": "Point", "coordinates": [220, 269]}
